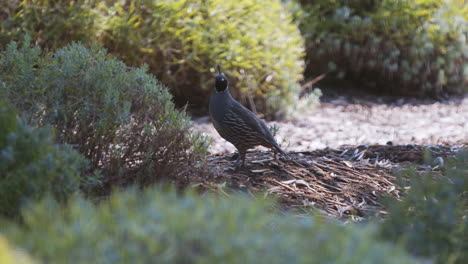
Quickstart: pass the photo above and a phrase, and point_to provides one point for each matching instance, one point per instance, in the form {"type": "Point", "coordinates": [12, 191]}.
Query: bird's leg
{"type": "Point", "coordinates": [241, 159]}
{"type": "Point", "coordinates": [242, 154]}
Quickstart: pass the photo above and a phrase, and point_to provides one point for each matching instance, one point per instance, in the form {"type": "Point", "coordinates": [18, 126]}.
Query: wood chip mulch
{"type": "Point", "coordinates": [347, 182]}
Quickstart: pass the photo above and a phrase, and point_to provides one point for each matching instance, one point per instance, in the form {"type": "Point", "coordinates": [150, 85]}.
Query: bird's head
{"type": "Point", "coordinates": [221, 82]}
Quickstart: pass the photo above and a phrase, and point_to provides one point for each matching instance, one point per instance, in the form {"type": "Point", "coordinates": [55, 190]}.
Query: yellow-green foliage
{"type": "Point", "coordinates": [10, 255]}
{"type": "Point", "coordinates": [52, 24]}
{"type": "Point", "coordinates": [254, 41]}
{"type": "Point", "coordinates": [165, 227]}
{"type": "Point", "coordinates": [409, 47]}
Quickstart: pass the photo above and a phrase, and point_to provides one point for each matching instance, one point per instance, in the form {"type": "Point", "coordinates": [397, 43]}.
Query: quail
{"type": "Point", "coordinates": [237, 124]}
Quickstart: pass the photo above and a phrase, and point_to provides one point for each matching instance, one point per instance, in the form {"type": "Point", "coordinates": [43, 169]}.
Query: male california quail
{"type": "Point", "coordinates": [237, 124]}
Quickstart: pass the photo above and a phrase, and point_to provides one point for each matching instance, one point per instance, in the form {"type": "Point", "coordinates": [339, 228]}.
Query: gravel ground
{"type": "Point", "coordinates": [357, 120]}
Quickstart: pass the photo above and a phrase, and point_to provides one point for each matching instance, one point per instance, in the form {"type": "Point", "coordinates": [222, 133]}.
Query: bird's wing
{"type": "Point", "coordinates": [252, 124]}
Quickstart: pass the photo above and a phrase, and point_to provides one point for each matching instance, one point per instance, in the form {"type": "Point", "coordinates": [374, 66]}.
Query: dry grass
{"type": "Point", "coordinates": [345, 182]}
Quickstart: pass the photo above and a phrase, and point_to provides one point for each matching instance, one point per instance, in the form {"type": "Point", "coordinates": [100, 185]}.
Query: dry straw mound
{"type": "Point", "coordinates": [345, 182]}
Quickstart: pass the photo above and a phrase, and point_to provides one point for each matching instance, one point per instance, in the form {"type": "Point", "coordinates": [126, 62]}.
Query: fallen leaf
{"type": "Point", "coordinates": [288, 182]}
{"type": "Point", "coordinates": [258, 171]}
{"type": "Point", "coordinates": [347, 163]}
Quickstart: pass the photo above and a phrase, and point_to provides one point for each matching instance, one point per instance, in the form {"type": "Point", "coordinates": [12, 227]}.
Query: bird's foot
{"type": "Point", "coordinates": [238, 164]}
{"type": "Point", "coordinates": [282, 156]}
{"type": "Point", "coordinates": [235, 156]}
{"type": "Point", "coordinates": [234, 166]}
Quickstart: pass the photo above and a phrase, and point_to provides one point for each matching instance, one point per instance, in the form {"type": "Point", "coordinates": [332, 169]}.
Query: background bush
{"type": "Point", "coordinates": [10, 255]}
{"type": "Point", "coordinates": [255, 42]}
{"type": "Point", "coordinates": [164, 227]}
{"type": "Point", "coordinates": [120, 118]}
{"type": "Point", "coordinates": [432, 217]}
{"type": "Point", "coordinates": [407, 47]}
{"type": "Point", "coordinates": [52, 24]}
{"type": "Point", "coordinates": [31, 165]}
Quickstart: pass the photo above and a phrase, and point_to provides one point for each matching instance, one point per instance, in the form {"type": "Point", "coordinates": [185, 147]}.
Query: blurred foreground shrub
{"type": "Point", "coordinates": [10, 255]}
{"type": "Point", "coordinates": [432, 217]}
{"type": "Point", "coordinates": [413, 47]}
{"type": "Point", "coordinates": [255, 42]}
{"type": "Point", "coordinates": [165, 227]}
{"type": "Point", "coordinates": [122, 119]}
{"type": "Point", "coordinates": [31, 165]}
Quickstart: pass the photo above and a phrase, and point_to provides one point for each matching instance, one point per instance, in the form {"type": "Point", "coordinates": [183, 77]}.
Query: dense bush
{"type": "Point", "coordinates": [10, 255]}
{"type": "Point", "coordinates": [432, 217]}
{"type": "Point", "coordinates": [120, 118]}
{"type": "Point", "coordinates": [181, 40]}
{"type": "Point", "coordinates": [163, 227]}
{"type": "Point", "coordinates": [407, 47]}
{"type": "Point", "coordinates": [31, 165]}
{"type": "Point", "coordinates": [255, 42]}
{"type": "Point", "coordinates": [52, 24]}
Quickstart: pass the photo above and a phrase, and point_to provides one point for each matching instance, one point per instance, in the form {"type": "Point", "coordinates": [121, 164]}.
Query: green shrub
{"type": "Point", "coordinates": [10, 255]}
{"type": "Point", "coordinates": [432, 217]}
{"type": "Point", "coordinates": [181, 40]}
{"type": "Point", "coordinates": [255, 42]}
{"type": "Point", "coordinates": [120, 118]}
{"type": "Point", "coordinates": [52, 24]}
{"type": "Point", "coordinates": [163, 227]}
{"type": "Point", "coordinates": [408, 47]}
{"type": "Point", "coordinates": [31, 165]}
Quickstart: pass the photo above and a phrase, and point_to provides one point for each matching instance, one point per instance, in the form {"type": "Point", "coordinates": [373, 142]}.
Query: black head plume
{"type": "Point", "coordinates": [221, 82]}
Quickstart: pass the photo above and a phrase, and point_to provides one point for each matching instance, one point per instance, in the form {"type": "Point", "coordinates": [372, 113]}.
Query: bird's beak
{"type": "Point", "coordinates": [219, 68]}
